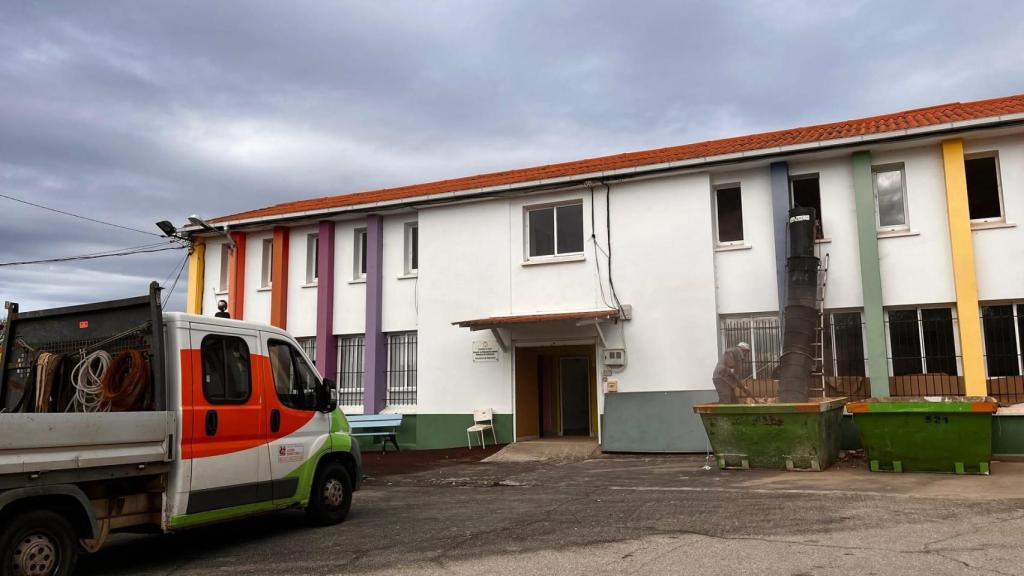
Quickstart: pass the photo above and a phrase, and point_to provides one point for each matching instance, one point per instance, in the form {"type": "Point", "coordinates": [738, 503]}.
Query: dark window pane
{"type": "Point", "coordinates": [294, 381]}
{"type": "Point", "coordinates": [362, 253]}
{"type": "Point", "coordinates": [849, 344]}
{"type": "Point", "coordinates": [730, 215]}
{"type": "Point", "coordinates": [939, 346]}
{"type": "Point", "coordinates": [225, 369]}
{"type": "Point", "coordinates": [414, 247]}
{"type": "Point", "coordinates": [570, 228]}
{"type": "Point", "coordinates": [982, 188]}
{"type": "Point", "coordinates": [807, 194]}
{"type": "Point", "coordinates": [904, 342]}
{"type": "Point", "coordinates": [542, 232]}
{"type": "Point", "coordinates": [1000, 340]}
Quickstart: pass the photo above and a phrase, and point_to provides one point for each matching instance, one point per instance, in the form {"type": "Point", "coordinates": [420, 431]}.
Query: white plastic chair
{"type": "Point", "coordinates": [482, 420]}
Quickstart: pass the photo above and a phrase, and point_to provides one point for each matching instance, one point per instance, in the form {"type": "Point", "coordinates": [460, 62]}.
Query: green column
{"type": "Point", "coordinates": [870, 274]}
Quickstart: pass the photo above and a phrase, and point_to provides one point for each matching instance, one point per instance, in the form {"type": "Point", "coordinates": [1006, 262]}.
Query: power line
{"type": "Point", "coordinates": [126, 252]}
{"type": "Point", "coordinates": [73, 215]}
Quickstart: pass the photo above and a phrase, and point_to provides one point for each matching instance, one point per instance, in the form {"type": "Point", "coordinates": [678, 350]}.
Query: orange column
{"type": "Point", "coordinates": [279, 279]}
{"type": "Point", "coordinates": [236, 277]}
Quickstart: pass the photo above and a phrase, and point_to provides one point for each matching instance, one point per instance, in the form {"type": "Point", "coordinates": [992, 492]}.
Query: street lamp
{"type": "Point", "coordinates": [197, 221]}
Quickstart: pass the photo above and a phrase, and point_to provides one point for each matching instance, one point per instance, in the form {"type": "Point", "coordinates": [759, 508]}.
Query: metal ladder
{"type": "Point", "coordinates": [818, 371]}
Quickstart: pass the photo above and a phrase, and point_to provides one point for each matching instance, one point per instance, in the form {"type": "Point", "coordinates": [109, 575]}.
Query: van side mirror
{"type": "Point", "coordinates": [326, 396]}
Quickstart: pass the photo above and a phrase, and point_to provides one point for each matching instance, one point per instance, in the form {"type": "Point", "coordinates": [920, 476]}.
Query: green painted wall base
{"type": "Point", "coordinates": [433, 431]}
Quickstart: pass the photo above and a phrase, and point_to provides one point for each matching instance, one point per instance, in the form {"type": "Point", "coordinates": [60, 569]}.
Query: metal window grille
{"type": "Point", "coordinates": [843, 354]}
{"type": "Point", "coordinates": [401, 369]}
{"type": "Point", "coordinates": [308, 345]}
{"type": "Point", "coordinates": [923, 353]}
{"type": "Point", "coordinates": [1003, 330]}
{"type": "Point", "coordinates": [351, 361]}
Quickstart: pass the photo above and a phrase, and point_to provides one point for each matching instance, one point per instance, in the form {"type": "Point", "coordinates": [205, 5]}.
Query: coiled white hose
{"type": "Point", "coordinates": [87, 378]}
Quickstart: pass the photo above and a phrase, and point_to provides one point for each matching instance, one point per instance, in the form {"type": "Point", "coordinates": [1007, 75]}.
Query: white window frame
{"type": "Point", "coordinates": [555, 255]}
{"type": "Point", "coordinates": [359, 239]}
{"type": "Point", "coordinates": [890, 167]}
{"type": "Point", "coordinates": [225, 269]}
{"type": "Point", "coordinates": [743, 231]}
{"type": "Point", "coordinates": [821, 203]}
{"type": "Point", "coordinates": [999, 187]}
{"type": "Point", "coordinates": [267, 263]}
{"type": "Point", "coordinates": [953, 318]}
{"type": "Point", "coordinates": [409, 269]}
{"type": "Point", "coordinates": [756, 365]}
{"type": "Point", "coordinates": [312, 256]}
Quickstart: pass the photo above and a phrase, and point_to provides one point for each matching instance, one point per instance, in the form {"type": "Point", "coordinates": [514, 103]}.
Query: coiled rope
{"type": "Point", "coordinates": [87, 379]}
{"type": "Point", "coordinates": [126, 380]}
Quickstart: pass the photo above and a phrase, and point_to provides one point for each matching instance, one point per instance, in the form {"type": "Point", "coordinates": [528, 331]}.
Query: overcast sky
{"type": "Point", "coordinates": [137, 111]}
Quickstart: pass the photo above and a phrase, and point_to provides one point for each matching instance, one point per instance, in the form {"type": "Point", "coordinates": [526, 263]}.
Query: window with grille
{"type": "Point", "coordinates": [1003, 326]}
{"type": "Point", "coordinates": [308, 345]}
{"type": "Point", "coordinates": [844, 343]}
{"type": "Point", "coordinates": [923, 341]}
{"type": "Point", "coordinates": [401, 368]}
{"type": "Point", "coordinates": [765, 338]}
{"type": "Point", "coordinates": [351, 358]}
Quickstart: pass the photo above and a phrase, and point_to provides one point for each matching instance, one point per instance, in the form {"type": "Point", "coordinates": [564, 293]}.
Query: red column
{"type": "Point", "coordinates": [236, 277]}
{"type": "Point", "coordinates": [279, 279]}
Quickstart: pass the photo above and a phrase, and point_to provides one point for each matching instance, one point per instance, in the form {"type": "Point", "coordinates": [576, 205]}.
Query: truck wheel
{"type": "Point", "coordinates": [331, 495]}
{"type": "Point", "coordinates": [38, 543]}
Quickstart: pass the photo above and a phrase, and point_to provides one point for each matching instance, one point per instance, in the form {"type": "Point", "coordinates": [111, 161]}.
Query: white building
{"type": "Point", "coordinates": [511, 290]}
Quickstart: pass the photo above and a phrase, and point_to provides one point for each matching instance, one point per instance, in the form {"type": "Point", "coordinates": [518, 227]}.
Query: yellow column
{"type": "Point", "coordinates": [196, 270]}
{"type": "Point", "coordinates": [964, 277]}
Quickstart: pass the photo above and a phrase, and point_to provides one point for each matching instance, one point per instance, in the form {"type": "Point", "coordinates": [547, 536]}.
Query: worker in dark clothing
{"type": "Point", "coordinates": [726, 376]}
{"type": "Point", "coordinates": [222, 309]}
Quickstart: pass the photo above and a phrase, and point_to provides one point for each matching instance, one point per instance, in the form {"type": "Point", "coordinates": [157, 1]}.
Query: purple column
{"type": "Point", "coordinates": [326, 346]}
{"type": "Point", "coordinates": [374, 381]}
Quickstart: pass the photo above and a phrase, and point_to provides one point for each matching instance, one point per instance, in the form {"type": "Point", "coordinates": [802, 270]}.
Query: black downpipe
{"type": "Point", "coordinates": [801, 312]}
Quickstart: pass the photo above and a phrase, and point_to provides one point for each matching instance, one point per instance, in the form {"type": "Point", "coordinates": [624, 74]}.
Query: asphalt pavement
{"type": "Point", "coordinates": [619, 515]}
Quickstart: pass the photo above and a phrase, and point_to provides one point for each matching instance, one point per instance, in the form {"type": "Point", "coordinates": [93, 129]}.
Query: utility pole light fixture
{"type": "Point", "coordinates": [197, 221]}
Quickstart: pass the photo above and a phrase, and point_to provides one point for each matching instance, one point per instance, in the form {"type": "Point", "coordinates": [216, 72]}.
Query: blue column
{"type": "Point", "coordinates": [780, 218]}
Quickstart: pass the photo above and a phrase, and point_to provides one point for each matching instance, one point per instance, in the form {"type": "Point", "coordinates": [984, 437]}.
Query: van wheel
{"type": "Point", "coordinates": [38, 543]}
{"type": "Point", "coordinates": [331, 495]}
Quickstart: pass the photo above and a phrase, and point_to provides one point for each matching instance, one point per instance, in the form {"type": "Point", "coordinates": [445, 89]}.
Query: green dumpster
{"type": "Point", "coordinates": [798, 436]}
{"type": "Point", "coordinates": [926, 434]}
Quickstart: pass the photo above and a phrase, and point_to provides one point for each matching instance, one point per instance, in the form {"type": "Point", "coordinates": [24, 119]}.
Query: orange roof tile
{"type": "Point", "coordinates": [494, 321]}
{"type": "Point", "coordinates": [921, 117]}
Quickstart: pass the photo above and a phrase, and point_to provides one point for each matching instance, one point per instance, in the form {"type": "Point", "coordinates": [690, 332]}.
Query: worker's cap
{"type": "Point", "coordinates": [743, 346]}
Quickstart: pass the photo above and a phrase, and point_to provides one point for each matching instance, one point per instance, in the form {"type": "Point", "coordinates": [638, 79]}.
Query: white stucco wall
{"type": "Point", "coordinates": [399, 289]}
{"type": "Point", "coordinates": [301, 296]}
{"type": "Point", "coordinates": [256, 307]}
{"type": "Point", "coordinates": [349, 295]}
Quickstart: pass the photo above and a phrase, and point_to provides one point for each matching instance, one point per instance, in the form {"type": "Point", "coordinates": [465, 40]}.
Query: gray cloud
{"type": "Point", "coordinates": [137, 112]}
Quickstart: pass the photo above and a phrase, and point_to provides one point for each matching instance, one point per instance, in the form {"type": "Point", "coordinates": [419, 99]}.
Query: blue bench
{"type": "Point", "coordinates": [384, 425]}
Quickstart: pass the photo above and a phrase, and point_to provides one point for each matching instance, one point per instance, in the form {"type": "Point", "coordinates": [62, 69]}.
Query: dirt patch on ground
{"type": "Point", "coordinates": [376, 464]}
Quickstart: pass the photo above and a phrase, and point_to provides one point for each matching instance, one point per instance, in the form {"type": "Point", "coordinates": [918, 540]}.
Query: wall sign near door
{"type": "Point", "coordinates": [485, 351]}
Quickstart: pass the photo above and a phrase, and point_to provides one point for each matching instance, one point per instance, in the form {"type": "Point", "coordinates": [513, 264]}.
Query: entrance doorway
{"type": "Point", "coordinates": [555, 392]}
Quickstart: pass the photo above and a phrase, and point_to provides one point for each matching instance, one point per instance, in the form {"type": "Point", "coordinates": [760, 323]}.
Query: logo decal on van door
{"type": "Point", "coordinates": [290, 453]}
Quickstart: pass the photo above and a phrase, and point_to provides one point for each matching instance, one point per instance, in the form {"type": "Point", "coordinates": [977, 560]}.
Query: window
{"type": "Point", "coordinates": [401, 369]}
{"type": "Point", "coordinates": [308, 345]}
{"type": "Point", "coordinates": [846, 344]}
{"type": "Point", "coordinates": [312, 258]}
{"type": "Point", "coordinates": [764, 335]}
{"type": "Point", "coordinates": [351, 355]}
{"type": "Point", "coordinates": [359, 271]}
{"type": "Point", "coordinates": [729, 208]}
{"type": "Point", "coordinates": [267, 263]}
{"type": "Point", "coordinates": [984, 199]}
{"type": "Point", "coordinates": [412, 248]}
{"type": "Point", "coordinates": [226, 371]}
{"type": "Point", "coordinates": [807, 194]}
{"type": "Point", "coordinates": [923, 341]}
{"type": "Point", "coordinates": [1003, 326]}
{"type": "Point", "coordinates": [890, 196]}
{"type": "Point", "coordinates": [555, 230]}
{"type": "Point", "coordinates": [294, 381]}
{"type": "Point", "coordinates": [225, 267]}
